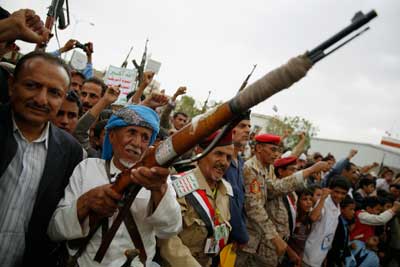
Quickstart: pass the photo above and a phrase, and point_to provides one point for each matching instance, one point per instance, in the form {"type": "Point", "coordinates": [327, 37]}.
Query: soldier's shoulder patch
{"type": "Point", "coordinates": [255, 186]}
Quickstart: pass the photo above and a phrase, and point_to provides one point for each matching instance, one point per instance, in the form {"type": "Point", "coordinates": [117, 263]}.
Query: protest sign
{"type": "Point", "coordinates": [125, 78]}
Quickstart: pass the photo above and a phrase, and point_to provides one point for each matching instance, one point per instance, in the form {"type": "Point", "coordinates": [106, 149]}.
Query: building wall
{"type": "Point", "coordinates": [367, 153]}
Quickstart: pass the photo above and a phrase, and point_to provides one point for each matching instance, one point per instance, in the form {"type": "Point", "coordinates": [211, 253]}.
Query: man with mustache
{"type": "Point", "coordinates": [129, 133]}
{"type": "Point", "coordinates": [204, 199]}
{"type": "Point", "coordinates": [92, 91]}
{"type": "Point", "coordinates": [36, 159]}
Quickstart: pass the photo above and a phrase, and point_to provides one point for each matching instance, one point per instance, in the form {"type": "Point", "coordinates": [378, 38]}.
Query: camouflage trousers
{"type": "Point", "coordinates": [265, 257]}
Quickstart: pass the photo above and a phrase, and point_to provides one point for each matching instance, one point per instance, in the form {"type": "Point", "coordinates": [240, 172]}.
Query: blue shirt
{"type": "Point", "coordinates": [234, 175]}
{"type": "Point", "coordinates": [336, 170]}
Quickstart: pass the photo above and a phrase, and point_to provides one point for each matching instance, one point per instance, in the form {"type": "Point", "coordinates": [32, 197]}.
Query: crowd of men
{"type": "Point", "coordinates": [248, 202]}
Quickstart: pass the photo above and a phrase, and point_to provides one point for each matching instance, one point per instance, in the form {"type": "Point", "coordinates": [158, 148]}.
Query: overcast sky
{"type": "Point", "coordinates": [354, 94]}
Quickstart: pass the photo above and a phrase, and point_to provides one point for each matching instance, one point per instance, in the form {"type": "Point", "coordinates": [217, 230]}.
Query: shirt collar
{"type": "Point", "coordinates": [44, 136]}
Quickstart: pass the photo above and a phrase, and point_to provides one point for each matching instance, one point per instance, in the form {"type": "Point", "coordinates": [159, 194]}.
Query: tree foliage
{"type": "Point", "coordinates": [192, 107]}
{"type": "Point", "coordinates": [188, 105]}
{"type": "Point", "coordinates": [291, 127]}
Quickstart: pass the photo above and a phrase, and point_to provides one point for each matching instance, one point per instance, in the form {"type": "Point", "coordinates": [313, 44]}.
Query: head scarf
{"type": "Point", "coordinates": [135, 115]}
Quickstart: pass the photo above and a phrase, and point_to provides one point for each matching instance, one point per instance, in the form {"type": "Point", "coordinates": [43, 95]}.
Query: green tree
{"type": "Point", "coordinates": [188, 105]}
{"type": "Point", "coordinates": [193, 108]}
{"type": "Point", "coordinates": [291, 127]}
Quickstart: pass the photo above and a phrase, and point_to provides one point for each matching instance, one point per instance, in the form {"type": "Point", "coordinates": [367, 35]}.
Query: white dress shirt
{"type": "Point", "coordinates": [164, 222]}
{"type": "Point", "coordinates": [322, 233]}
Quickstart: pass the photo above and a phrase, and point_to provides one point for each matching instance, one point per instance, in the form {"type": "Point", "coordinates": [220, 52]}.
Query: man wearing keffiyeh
{"type": "Point", "coordinates": [129, 132]}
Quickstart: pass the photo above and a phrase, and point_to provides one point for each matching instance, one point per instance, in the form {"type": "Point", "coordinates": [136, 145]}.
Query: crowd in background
{"type": "Point", "coordinates": [255, 202]}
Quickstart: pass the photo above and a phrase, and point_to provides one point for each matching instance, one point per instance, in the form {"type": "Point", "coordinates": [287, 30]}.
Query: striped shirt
{"type": "Point", "coordinates": [18, 188]}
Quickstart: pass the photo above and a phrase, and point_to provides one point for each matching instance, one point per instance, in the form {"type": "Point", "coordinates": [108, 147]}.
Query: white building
{"type": "Point", "coordinates": [367, 153]}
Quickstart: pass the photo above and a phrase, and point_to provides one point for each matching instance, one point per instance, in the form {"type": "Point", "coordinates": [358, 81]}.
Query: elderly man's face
{"type": "Point", "coordinates": [214, 165]}
{"type": "Point", "coordinates": [268, 153]}
{"type": "Point", "coordinates": [130, 142]}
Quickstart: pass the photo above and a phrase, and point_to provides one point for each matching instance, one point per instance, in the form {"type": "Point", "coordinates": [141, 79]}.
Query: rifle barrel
{"type": "Point", "coordinates": [358, 21]}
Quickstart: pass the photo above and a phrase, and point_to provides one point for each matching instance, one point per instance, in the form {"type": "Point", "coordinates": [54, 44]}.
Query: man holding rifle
{"type": "Point", "coordinates": [204, 198]}
{"type": "Point", "coordinates": [129, 132]}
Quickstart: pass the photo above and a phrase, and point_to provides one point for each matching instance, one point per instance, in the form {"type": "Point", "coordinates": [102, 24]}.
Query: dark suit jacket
{"type": "Point", "coordinates": [63, 154]}
{"type": "Point", "coordinates": [339, 250]}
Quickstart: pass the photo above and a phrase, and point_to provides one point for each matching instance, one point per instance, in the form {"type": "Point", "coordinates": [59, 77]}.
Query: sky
{"type": "Point", "coordinates": [353, 94]}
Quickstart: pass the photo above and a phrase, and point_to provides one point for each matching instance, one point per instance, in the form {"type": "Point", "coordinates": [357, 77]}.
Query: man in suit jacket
{"type": "Point", "coordinates": [36, 159]}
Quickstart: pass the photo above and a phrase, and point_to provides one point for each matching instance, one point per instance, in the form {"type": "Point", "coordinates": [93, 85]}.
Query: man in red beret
{"type": "Point", "coordinates": [203, 195]}
{"type": "Point", "coordinates": [265, 245]}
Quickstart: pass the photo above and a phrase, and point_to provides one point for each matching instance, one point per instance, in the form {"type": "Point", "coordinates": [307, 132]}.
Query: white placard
{"type": "Point", "coordinates": [123, 77]}
{"type": "Point", "coordinates": [153, 65]}
{"type": "Point", "coordinates": [78, 60]}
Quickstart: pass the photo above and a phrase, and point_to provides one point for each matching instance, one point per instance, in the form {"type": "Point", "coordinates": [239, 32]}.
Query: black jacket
{"type": "Point", "coordinates": [340, 246]}
{"type": "Point", "coordinates": [63, 154]}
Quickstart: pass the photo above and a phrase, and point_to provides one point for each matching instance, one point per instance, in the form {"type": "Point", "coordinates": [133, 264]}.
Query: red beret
{"type": "Point", "coordinates": [226, 139]}
{"type": "Point", "coordinates": [283, 162]}
{"type": "Point", "coordinates": [268, 138]}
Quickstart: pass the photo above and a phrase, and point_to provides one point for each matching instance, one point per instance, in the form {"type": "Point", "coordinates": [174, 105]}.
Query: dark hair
{"type": "Point", "coordinates": [99, 127]}
{"type": "Point", "coordinates": [304, 192]}
{"type": "Point", "coordinates": [397, 186]}
{"type": "Point", "coordinates": [4, 13]}
{"type": "Point", "coordinates": [71, 96]}
{"type": "Point", "coordinates": [317, 155]}
{"type": "Point", "coordinates": [339, 181]}
{"type": "Point", "coordinates": [45, 56]}
{"type": "Point", "coordinates": [97, 81]}
{"type": "Point", "coordinates": [315, 187]}
{"type": "Point", "coordinates": [180, 113]}
{"type": "Point", "coordinates": [366, 182]}
{"type": "Point", "coordinates": [371, 202]}
{"type": "Point", "coordinates": [386, 171]}
{"type": "Point", "coordinates": [348, 166]}
{"type": "Point", "coordinates": [381, 193]}
{"type": "Point", "coordinates": [78, 73]}
{"type": "Point", "coordinates": [347, 201]}
{"type": "Point", "coordinates": [389, 198]}
{"type": "Point", "coordinates": [328, 157]}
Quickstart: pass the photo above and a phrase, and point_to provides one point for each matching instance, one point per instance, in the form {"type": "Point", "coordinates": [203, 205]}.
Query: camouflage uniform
{"type": "Point", "coordinates": [187, 249]}
{"type": "Point", "coordinates": [261, 223]}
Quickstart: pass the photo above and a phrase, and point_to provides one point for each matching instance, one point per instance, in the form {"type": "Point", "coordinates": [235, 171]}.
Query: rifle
{"type": "Point", "coordinates": [204, 108]}
{"type": "Point", "coordinates": [166, 152]}
{"type": "Point", "coordinates": [140, 68]}
{"type": "Point", "coordinates": [125, 63]}
{"type": "Point", "coordinates": [55, 12]}
{"type": "Point", "coordinates": [244, 84]}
